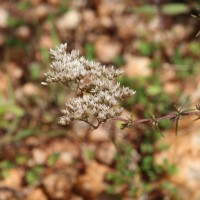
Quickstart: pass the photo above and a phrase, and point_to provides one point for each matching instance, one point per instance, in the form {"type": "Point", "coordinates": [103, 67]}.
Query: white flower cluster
{"type": "Point", "coordinates": [97, 92]}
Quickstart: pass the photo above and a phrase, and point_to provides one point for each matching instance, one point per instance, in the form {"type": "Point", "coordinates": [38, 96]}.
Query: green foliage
{"type": "Point", "coordinates": [33, 174]}
{"type": "Point", "coordinates": [24, 133]}
{"type": "Point", "coordinates": [9, 107]}
{"type": "Point", "coordinates": [14, 110]}
{"type": "Point", "coordinates": [124, 173]}
{"type": "Point", "coordinates": [63, 9]}
{"type": "Point", "coordinates": [185, 66]}
{"type": "Point", "coordinates": [45, 55]}
{"type": "Point", "coordinates": [147, 148]}
{"type": "Point", "coordinates": [23, 5]}
{"type": "Point", "coordinates": [169, 187]}
{"type": "Point", "coordinates": [52, 159]}
{"type": "Point", "coordinates": [162, 147]}
{"type": "Point", "coordinates": [146, 9]}
{"type": "Point", "coordinates": [148, 167]}
{"type": "Point", "coordinates": [118, 61]}
{"type": "Point", "coordinates": [21, 159]}
{"type": "Point", "coordinates": [155, 64]}
{"type": "Point", "coordinates": [175, 8]}
{"type": "Point", "coordinates": [194, 47]}
{"type": "Point", "coordinates": [169, 168]}
{"type": "Point", "coordinates": [169, 9]}
{"type": "Point", "coordinates": [12, 41]}
{"type": "Point", "coordinates": [146, 48]}
{"type": "Point", "coordinates": [150, 95]}
{"type": "Point", "coordinates": [153, 100]}
{"type": "Point", "coordinates": [149, 99]}
{"type": "Point", "coordinates": [88, 154]}
{"type": "Point", "coordinates": [164, 124]}
{"type": "Point", "coordinates": [151, 171]}
{"type": "Point", "coordinates": [5, 167]}
{"type": "Point", "coordinates": [138, 175]}
{"type": "Point", "coordinates": [13, 22]}
{"type": "Point", "coordinates": [89, 51]}
{"type": "Point", "coordinates": [34, 71]}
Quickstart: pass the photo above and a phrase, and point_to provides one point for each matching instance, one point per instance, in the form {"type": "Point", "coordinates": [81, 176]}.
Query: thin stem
{"type": "Point", "coordinates": [170, 116]}
{"type": "Point", "coordinates": [94, 126]}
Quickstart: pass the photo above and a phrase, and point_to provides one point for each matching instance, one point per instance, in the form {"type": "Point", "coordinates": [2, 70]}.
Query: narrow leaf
{"type": "Point", "coordinates": [159, 131]}
{"type": "Point", "coordinates": [196, 118]}
{"type": "Point", "coordinates": [175, 9]}
{"type": "Point", "coordinates": [176, 125]}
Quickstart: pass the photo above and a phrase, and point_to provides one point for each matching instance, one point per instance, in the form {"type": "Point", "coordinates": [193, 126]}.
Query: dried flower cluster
{"type": "Point", "coordinates": [97, 92]}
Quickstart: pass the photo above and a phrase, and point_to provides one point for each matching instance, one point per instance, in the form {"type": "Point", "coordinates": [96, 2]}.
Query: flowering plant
{"type": "Point", "coordinates": [97, 92]}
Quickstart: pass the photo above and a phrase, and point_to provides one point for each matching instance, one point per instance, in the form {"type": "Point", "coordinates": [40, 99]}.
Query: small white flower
{"type": "Point", "coordinates": [97, 92]}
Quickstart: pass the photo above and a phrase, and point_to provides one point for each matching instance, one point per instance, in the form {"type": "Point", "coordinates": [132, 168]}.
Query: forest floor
{"type": "Point", "coordinates": [158, 48]}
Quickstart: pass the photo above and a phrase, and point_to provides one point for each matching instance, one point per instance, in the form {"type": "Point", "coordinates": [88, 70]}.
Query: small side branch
{"type": "Point", "coordinates": [170, 116]}
{"type": "Point", "coordinates": [93, 126]}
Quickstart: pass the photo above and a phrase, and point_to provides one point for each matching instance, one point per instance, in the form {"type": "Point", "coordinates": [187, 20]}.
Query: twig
{"type": "Point", "coordinates": [170, 116]}
{"type": "Point", "coordinates": [93, 126]}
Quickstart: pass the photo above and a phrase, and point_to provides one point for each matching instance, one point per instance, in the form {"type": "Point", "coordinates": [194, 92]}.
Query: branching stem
{"type": "Point", "coordinates": [170, 116]}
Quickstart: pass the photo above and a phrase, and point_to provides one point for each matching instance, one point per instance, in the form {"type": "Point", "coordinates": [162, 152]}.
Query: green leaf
{"type": "Point", "coordinates": [63, 9]}
{"type": "Point", "coordinates": [165, 185]}
{"type": "Point", "coordinates": [33, 175]}
{"type": "Point", "coordinates": [34, 71]}
{"type": "Point", "coordinates": [147, 148]}
{"type": "Point", "coordinates": [154, 90]}
{"type": "Point", "coordinates": [146, 48]}
{"type": "Point", "coordinates": [21, 159]}
{"type": "Point", "coordinates": [6, 164]}
{"type": "Point", "coordinates": [175, 8]}
{"type": "Point", "coordinates": [5, 167]}
{"type": "Point", "coordinates": [4, 124]}
{"type": "Point", "coordinates": [110, 176]}
{"type": "Point", "coordinates": [13, 22]}
{"type": "Point", "coordinates": [53, 158]}
{"type": "Point", "coordinates": [165, 123]}
{"type": "Point", "coordinates": [44, 54]}
{"type": "Point", "coordinates": [163, 147]}
{"type": "Point", "coordinates": [155, 64]}
{"type": "Point", "coordinates": [147, 163]}
{"type": "Point", "coordinates": [23, 5]}
{"type": "Point", "coordinates": [13, 42]}
{"type": "Point", "coordinates": [159, 131]}
{"type": "Point", "coordinates": [16, 110]}
{"type": "Point", "coordinates": [151, 175]}
{"type": "Point", "coordinates": [5, 173]}
{"type": "Point", "coordinates": [118, 61]}
{"type": "Point", "coordinates": [170, 168]}
{"type": "Point", "coordinates": [89, 51]}
{"type": "Point", "coordinates": [22, 134]}
{"type": "Point", "coordinates": [3, 109]}
{"type": "Point", "coordinates": [176, 124]}
{"type": "Point", "coordinates": [54, 33]}
{"type": "Point", "coordinates": [194, 47]}
{"type": "Point", "coordinates": [89, 154]}
{"type": "Point", "coordinates": [146, 9]}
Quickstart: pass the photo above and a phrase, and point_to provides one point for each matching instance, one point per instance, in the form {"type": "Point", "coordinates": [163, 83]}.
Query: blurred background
{"type": "Point", "coordinates": [156, 43]}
